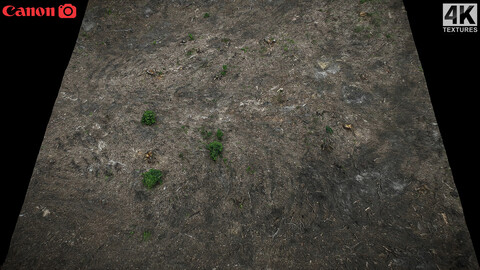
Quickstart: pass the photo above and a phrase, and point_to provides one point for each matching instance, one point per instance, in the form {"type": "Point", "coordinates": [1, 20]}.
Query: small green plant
{"type": "Point", "coordinates": [205, 133]}
{"type": "Point", "coordinates": [375, 20]}
{"type": "Point", "coordinates": [151, 178]}
{"type": "Point", "coordinates": [359, 28]}
{"type": "Point", "coordinates": [191, 37]}
{"type": "Point", "coordinates": [146, 235]}
{"type": "Point", "coordinates": [108, 175]}
{"type": "Point", "coordinates": [244, 49]}
{"type": "Point", "coordinates": [225, 40]}
{"type": "Point", "coordinates": [189, 52]}
{"type": "Point", "coordinates": [219, 134]}
{"type": "Point", "coordinates": [206, 15]}
{"type": "Point", "coordinates": [250, 170]}
{"type": "Point", "coordinates": [224, 70]}
{"type": "Point", "coordinates": [149, 118]}
{"type": "Point", "coordinates": [215, 149]}
{"type": "Point", "coordinates": [329, 130]}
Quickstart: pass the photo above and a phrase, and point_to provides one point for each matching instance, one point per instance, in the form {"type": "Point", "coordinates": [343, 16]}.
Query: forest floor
{"type": "Point", "coordinates": [332, 158]}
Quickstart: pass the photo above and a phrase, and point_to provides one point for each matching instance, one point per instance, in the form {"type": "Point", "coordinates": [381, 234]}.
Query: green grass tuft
{"type": "Point", "coordinates": [215, 149]}
{"type": "Point", "coordinates": [149, 118]}
{"type": "Point", "coordinates": [224, 70]}
{"type": "Point", "coordinates": [329, 130]}
{"type": "Point", "coordinates": [152, 178]}
{"type": "Point", "coordinates": [219, 134]}
{"type": "Point", "coordinates": [146, 235]}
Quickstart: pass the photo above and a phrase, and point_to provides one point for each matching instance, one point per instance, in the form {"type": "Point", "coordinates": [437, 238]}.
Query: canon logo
{"type": "Point", "coordinates": [64, 11]}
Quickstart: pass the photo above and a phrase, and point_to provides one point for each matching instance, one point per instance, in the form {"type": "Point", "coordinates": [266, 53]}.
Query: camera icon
{"type": "Point", "coordinates": [67, 11]}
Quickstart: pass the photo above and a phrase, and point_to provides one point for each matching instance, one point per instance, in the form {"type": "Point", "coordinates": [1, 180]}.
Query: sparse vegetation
{"type": "Point", "coordinates": [152, 178]}
{"type": "Point", "coordinates": [108, 175]}
{"type": "Point", "coordinates": [146, 235]}
{"type": "Point", "coordinates": [149, 118]}
{"type": "Point", "coordinates": [359, 28]}
{"type": "Point", "coordinates": [224, 70]}
{"type": "Point", "coordinates": [263, 50]}
{"type": "Point", "coordinates": [329, 130]}
{"type": "Point", "coordinates": [219, 134]}
{"type": "Point", "coordinates": [375, 19]}
{"type": "Point", "coordinates": [288, 189]}
{"type": "Point", "coordinates": [215, 149]}
{"type": "Point", "coordinates": [205, 133]}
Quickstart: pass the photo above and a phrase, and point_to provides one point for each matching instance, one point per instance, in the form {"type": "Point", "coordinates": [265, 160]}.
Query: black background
{"type": "Point", "coordinates": [35, 53]}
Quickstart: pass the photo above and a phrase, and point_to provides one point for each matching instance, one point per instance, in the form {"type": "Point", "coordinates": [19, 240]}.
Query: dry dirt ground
{"type": "Point", "coordinates": [332, 157]}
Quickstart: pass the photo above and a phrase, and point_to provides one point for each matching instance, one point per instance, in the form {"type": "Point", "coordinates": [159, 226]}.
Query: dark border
{"type": "Point", "coordinates": [449, 62]}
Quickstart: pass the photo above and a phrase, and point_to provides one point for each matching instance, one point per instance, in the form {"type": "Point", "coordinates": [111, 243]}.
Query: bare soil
{"type": "Point", "coordinates": [331, 159]}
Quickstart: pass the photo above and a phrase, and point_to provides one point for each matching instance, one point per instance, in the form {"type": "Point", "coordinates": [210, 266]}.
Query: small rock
{"type": "Point", "coordinates": [320, 75]}
{"type": "Point", "coordinates": [333, 69]}
{"type": "Point", "coordinates": [88, 25]}
{"type": "Point", "coordinates": [148, 12]}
